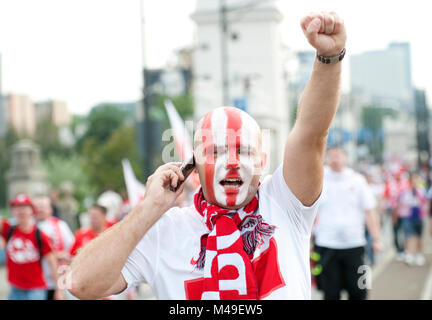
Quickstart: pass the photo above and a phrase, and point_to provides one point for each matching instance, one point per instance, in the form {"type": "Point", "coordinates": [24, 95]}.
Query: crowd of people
{"type": "Point", "coordinates": [407, 200]}
{"type": "Point", "coordinates": [37, 246]}
{"type": "Point", "coordinates": [243, 237]}
{"type": "Point", "coordinates": [356, 207]}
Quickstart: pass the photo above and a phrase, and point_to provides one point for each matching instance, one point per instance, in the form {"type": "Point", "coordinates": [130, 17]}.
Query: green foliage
{"type": "Point", "coordinates": [59, 169]}
{"type": "Point", "coordinates": [101, 122]}
{"type": "Point", "coordinates": [373, 116]}
{"type": "Point", "coordinates": [183, 103]}
{"type": "Point", "coordinates": [103, 160]}
{"type": "Point", "coordinates": [6, 144]}
{"type": "Point", "coordinates": [47, 137]}
{"type": "Point", "coordinates": [4, 213]}
{"type": "Point", "coordinates": [373, 119]}
{"type": "Point", "coordinates": [94, 163]}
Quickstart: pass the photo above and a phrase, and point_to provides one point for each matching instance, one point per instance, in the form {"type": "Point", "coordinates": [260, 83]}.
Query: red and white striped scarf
{"type": "Point", "coordinates": [227, 250]}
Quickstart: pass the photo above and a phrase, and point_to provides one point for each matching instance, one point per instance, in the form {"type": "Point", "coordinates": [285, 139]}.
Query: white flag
{"type": "Point", "coordinates": [182, 139]}
{"type": "Point", "coordinates": [135, 189]}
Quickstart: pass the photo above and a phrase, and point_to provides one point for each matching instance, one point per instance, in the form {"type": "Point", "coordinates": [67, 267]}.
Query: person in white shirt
{"type": "Point", "coordinates": [347, 205]}
{"type": "Point", "coordinates": [241, 239]}
{"type": "Point", "coordinates": [60, 235]}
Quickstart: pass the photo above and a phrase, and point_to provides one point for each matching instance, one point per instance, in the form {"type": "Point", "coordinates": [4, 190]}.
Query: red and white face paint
{"type": "Point", "coordinates": [231, 155]}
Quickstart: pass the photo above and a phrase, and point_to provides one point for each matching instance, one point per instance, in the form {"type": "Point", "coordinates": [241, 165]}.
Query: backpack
{"type": "Point", "coordinates": [38, 239]}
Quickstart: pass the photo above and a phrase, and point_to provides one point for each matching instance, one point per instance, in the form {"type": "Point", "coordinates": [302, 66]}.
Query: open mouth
{"type": "Point", "coordinates": [233, 183]}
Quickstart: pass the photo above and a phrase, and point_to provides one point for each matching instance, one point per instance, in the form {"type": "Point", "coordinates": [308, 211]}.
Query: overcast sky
{"type": "Point", "coordinates": [89, 51]}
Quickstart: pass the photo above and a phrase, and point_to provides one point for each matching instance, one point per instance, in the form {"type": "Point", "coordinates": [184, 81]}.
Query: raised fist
{"type": "Point", "coordinates": [325, 31]}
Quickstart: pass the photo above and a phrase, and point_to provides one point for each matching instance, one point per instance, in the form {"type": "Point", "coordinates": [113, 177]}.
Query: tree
{"type": "Point", "coordinates": [47, 137]}
{"type": "Point", "coordinates": [59, 169]}
{"type": "Point", "coordinates": [101, 122]}
{"type": "Point", "coordinates": [102, 161]}
{"type": "Point", "coordinates": [6, 143]}
{"type": "Point", "coordinates": [373, 120]}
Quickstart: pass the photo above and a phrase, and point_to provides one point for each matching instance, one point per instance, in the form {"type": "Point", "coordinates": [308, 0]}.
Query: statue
{"type": "Point", "coordinates": [67, 205]}
{"type": "Point", "coordinates": [25, 174]}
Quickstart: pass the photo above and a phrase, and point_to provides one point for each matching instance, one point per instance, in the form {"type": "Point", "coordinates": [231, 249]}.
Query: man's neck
{"type": "Point", "coordinates": [99, 230]}
{"type": "Point", "coordinates": [26, 226]}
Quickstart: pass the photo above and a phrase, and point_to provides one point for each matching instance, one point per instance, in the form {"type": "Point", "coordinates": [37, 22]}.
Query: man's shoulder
{"type": "Point", "coordinates": [359, 178]}
{"type": "Point", "coordinates": [176, 224]}
{"type": "Point", "coordinates": [267, 179]}
{"type": "Point", "coordinates": [182, 214]}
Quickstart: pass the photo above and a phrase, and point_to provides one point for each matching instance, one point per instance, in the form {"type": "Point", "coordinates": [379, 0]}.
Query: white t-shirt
{"type": "Point", "coordinates": [341, 216]}
{"type": "Point", "coordinates": [54, 227]}
{"type": "Point", "coordinates": [163, 257]}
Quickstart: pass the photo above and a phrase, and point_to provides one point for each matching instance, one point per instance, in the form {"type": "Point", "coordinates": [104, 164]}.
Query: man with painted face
{"type": "Point", "coordinates": [241, 239]}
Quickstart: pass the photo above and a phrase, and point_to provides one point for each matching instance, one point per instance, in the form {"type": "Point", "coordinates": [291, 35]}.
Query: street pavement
{"type": "Point", "coordinates": [4, 287]}
{"type": "Point", "coordinates": [395, 280]}
{"type": "Point", "coordinates": [398, 281]}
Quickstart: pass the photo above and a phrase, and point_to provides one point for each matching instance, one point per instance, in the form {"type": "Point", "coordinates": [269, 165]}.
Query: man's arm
{"type": "Point", "coordinates": [373, 226]}
{"type": "Point", "coordinates": [305, 146]}
{"type": "Point", "coordinates": [96, 270]}
{"type": "Point", "coordinates": [53, 266]}
{"type": "Point", "coordinates": [430, 218]}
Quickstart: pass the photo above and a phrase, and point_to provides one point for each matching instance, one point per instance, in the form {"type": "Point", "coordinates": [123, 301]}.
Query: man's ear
{"type": "Point", "coordinates": [259, 168]}
{"type": "Point", "coordinates": [263, 160]}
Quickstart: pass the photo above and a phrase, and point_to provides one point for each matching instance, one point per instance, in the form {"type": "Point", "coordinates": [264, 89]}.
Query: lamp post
{"type": "Point", "coordinates": [147, 130]}
{"type": "Point", "coordinates": [224, 51]}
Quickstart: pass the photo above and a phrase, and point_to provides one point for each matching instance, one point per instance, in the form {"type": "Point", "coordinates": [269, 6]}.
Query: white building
{"type": "Point", "coordinates": [400, 138]}
{"type": "Point", "coordinates": [254, 66]}
{"type": "Point", "coordinates": [384, 76]}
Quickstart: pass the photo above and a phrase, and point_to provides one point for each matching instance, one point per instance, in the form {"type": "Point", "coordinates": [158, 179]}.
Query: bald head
{"type": "Point", "coordinates": [220, 121]}
{"type": "Point", "coordinates": [228, 156]}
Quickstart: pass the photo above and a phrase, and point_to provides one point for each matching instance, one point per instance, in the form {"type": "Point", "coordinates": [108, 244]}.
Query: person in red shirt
{"type": "Point", "coordinates": [25, 247]}
{"type": "Point", "coordinates": [98, 224]}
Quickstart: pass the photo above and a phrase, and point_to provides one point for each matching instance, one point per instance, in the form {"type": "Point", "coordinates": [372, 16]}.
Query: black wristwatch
{"type": "Point", "coordinates": [333, 59]}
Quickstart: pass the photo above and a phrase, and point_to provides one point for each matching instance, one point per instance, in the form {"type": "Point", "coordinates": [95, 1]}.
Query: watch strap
{"type": "Point", "coordinates": [332, 59]}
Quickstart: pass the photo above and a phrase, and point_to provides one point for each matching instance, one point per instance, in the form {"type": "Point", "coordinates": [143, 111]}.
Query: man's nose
{"type": "Point", "coordinates": [233, 159]}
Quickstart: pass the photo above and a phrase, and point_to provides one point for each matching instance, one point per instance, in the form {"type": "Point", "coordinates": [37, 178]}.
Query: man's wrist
{"type": "Point", "coordinates": [149, 211]}
{"type": "Point", "coordinates": [331, 58]}
{"type": "Point", "coordinates": [155, 205]}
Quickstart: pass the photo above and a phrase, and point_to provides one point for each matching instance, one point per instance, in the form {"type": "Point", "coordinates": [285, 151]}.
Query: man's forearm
{"type": "Point", "coordinates": [373, 224]}
{"type": "Point", "coordinates": [319, 101]}
{"type": "Point", "coordinates": [52, 263]}
{"type": "Point", "coordinates": [98, 266]}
